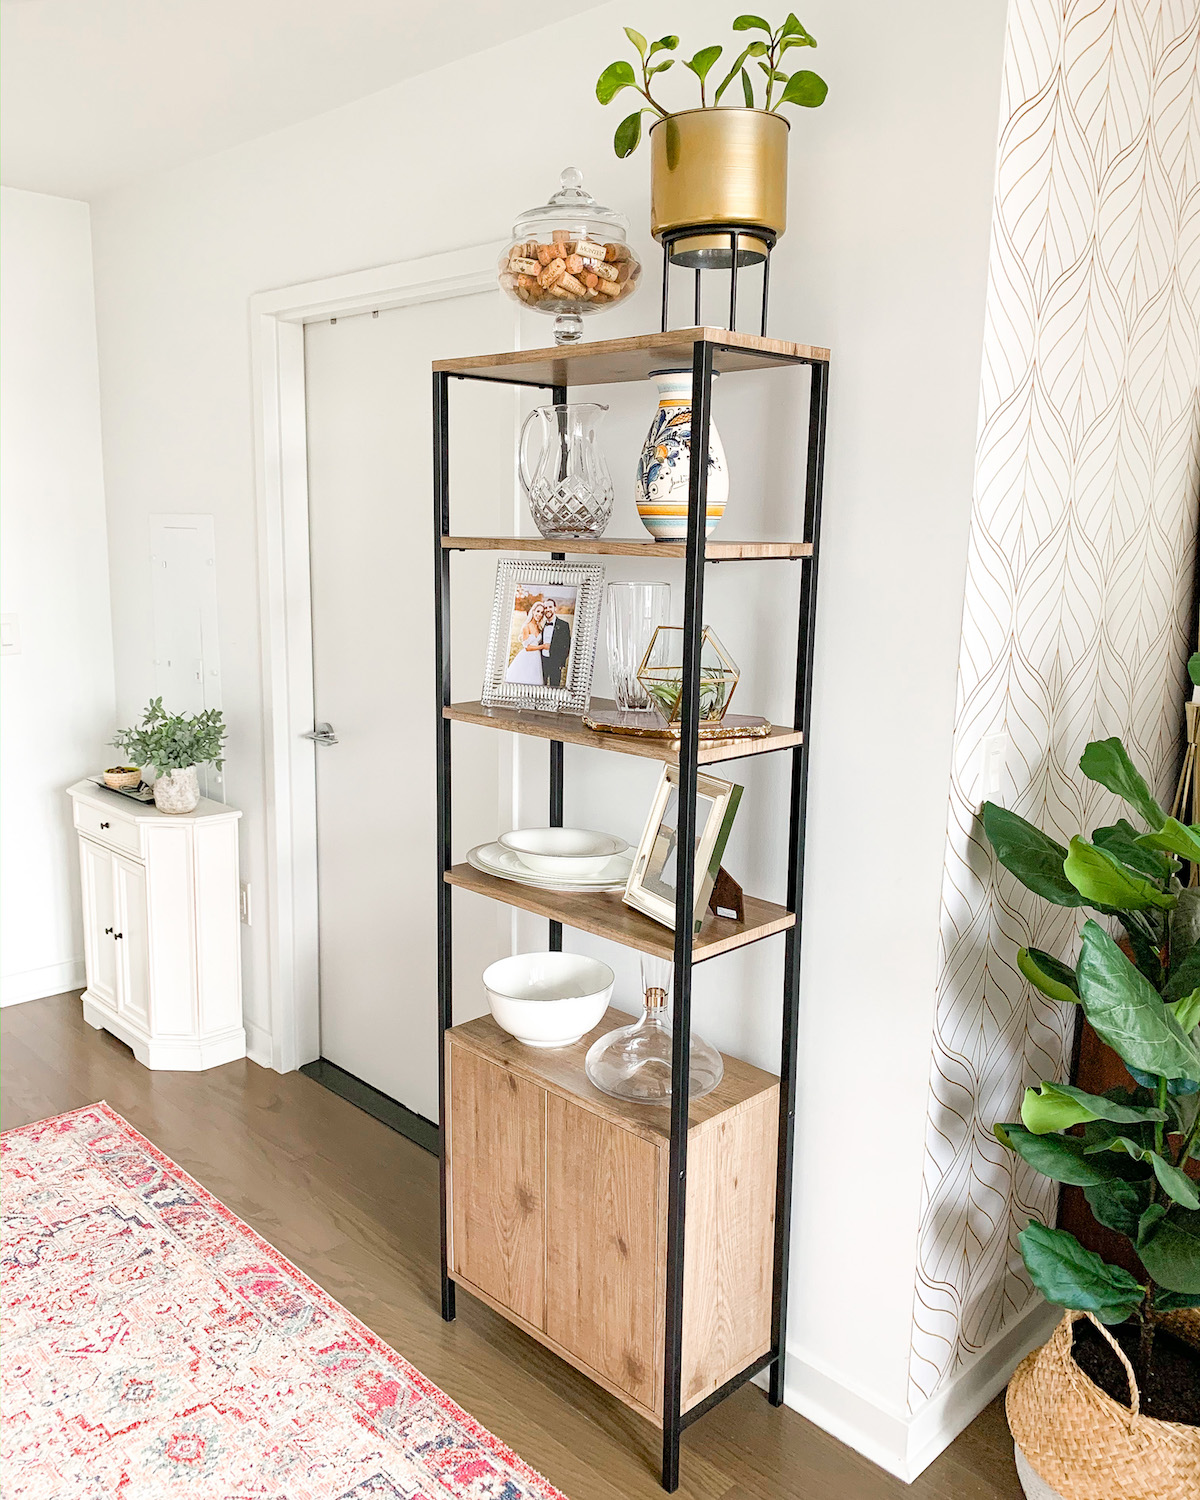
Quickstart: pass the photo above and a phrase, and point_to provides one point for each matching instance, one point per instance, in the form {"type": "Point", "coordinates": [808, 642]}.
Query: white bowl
{"type": "Point", "coordinates": [562, 852]}
{"type": "Point", "coordinates": [548, 999]}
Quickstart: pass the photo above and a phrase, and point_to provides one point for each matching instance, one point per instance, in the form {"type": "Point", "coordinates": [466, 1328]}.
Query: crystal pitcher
{"type": "Point", "coordinates": [569, 487]}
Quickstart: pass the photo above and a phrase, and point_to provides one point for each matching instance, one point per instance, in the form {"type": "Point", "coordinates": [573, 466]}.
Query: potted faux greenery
{"type": "Point", "coordinates": [1110, 1407]}
{"type": "Point", "coordinates": [724, 163]}
{"type": "Point", "coordinates": [169, 747]}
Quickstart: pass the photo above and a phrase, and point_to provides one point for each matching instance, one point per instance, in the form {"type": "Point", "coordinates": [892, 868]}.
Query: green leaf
{"type": "Point", "coordinates": [1184, 975]}
{"type": "Point", "coordinates": [747, 90]}
{"type": "Point", "coordinates": [616, 76]}
{"type": "Point", "coordinates": [797, 41]}
{"type": "Point", "coordinates": [1102, 881]}
{"type": "Point", "coordinates": [1171, 1251]}
{"type": "Point", "coordinates": [628, 134]}
{"type": "Point", "coordinates": [1042, 1113]}
{"type": "Point", "coordinates": [1119, 1204]}
{"type": "Point", "coordinates": [1174, 1182]}
{"type": "Point", "coordinates": [1119, 840]}
{"type": "Point", "coordinates": [1175, 837]}
{"type": "Point", "coordinates": [1147, 952]}
{"type": "Point", "coordinates": [1029, 854]}
{"type": "Point", "coordinates": [1194, 668]}
{"type": "Point", "coordinates": [638, 40]}
{"type": "Point", "coordinates": [1184, 925]}
{"type": "Point", "coordinates": [792, 27]}
{"type": "Point", "coordinates": [1107, 762]}
{"type": "Point", "coordinates": [1059, 1157]}
{"type": "Point", "coordinates": [1067, 1274]}
{"type": "Point", "coordinates": [664, 44]}
{"type": "Point", "coordinates": [1187, 1011]}
{"type": "Point", "coordinates": [1149, 1222]}
{"type": "Point", "coordinates": [773, 73]}
{"type": "Point", "coordinates": [751, 23]}
{"type": "Point", "coordinates": [702, 63]}
{"type": "Point", "coordinates": [1175, 1301]}
{"type": "Point", "coordinates": [660, 67]}
{"type": "Point", "coordinates": [1101, 1107]}
{"type": "Point", "coordinates": [805, 88]}
{"type": "Point", "coordinates": [1127, 1013]}
{"type": "Point", "coordinates": [1047, 974]}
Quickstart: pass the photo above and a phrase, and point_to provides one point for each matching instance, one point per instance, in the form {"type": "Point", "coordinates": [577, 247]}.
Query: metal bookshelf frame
{"type": "Point", "coordinates": [706, 344]}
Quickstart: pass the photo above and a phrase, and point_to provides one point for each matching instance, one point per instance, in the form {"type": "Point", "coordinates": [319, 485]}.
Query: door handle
{"type": "Point", "coordinates": [322, 734]}
{"type": "Point", "coordinates": [104, 825]}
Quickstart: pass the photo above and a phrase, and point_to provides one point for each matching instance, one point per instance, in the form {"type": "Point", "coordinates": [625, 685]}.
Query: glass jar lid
{"type": "Point", "coordinates": [574, 209]}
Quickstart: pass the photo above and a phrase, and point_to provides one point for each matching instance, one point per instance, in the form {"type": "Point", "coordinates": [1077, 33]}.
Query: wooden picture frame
{"type": "Point", "coordinates": [650, 888]}
{"type": "Point", "coordinates": [521, 639]}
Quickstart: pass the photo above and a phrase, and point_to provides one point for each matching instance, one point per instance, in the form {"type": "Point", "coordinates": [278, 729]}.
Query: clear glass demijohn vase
{"type": "Point", "coordinates": [634, 1062]}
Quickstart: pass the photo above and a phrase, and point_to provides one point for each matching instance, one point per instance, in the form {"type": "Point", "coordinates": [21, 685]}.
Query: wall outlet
{"type": "Point", "coordinates": [244, 902]}
{"type": "Point", "coordinates": [10, 635]}
{"type": "Point", "coordinates": [993, 757]}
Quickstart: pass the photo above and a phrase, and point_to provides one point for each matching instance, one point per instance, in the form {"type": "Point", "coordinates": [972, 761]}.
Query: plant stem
{"type": "Point", "coordinates": [1146, 1331]}
{"type": "Point", "coordinates": [645, 89]}
{"type": "Point", "coordinates": [1160, 1099]}
{"type": "Point", "coordinates": [770, 71]}
{"type": "Point", "coordinates": [1188, 1142]}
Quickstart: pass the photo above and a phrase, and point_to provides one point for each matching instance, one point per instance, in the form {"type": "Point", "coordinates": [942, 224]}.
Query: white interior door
{"type": "Point", "coordinates": [368, 397]}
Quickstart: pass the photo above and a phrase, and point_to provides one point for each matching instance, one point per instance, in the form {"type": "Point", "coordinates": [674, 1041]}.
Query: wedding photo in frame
{"type": "Point", "coordinates": [652, 880]}
{"type": "Point", "coordinates": [542, 642]}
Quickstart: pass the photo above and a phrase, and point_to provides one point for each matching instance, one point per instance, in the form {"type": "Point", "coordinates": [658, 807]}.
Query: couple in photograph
{"type": "Point", "coordinates": [545, 648]}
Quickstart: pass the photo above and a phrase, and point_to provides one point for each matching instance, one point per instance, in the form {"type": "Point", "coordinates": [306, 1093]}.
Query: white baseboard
{"type": "Point", "coordinates": [902, 1442]}
{"type": "Point", "coordinates": [258, 1044]}
{"type": "Point", "coordinates": [36, 984]}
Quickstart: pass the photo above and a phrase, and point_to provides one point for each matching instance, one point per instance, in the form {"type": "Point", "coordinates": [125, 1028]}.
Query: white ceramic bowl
{"type": "Point", "coordinates": [562, 852]}
{"type": "Point", "coordinates": [548, 999]}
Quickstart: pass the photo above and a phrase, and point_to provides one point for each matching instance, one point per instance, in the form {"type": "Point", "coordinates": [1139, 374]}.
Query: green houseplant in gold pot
{"type": "Point", "coordinates": [169, 748]}
{"type": "Point", "coordinates": [723, 166]}
{"type": "Point", "coordinates": [1109, 1408]}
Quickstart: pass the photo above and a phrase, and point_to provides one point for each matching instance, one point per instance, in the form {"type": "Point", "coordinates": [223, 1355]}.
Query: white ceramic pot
{"type": "Point", "coordinates": [177, 791]}
{"type": "Point", "coordinates": [548, 999]}
{"type": "Point", "coordinates": [662, 475]}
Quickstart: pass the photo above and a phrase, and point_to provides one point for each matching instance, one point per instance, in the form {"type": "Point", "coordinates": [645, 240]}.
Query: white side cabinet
{"type": "Point", "coordinates": [160, 925]}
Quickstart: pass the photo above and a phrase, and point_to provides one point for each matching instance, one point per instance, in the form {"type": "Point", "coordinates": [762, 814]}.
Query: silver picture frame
{"type": "Point", "coordinates": [650, 888]}
{"type": "Point", "coordinates": [513, 684]}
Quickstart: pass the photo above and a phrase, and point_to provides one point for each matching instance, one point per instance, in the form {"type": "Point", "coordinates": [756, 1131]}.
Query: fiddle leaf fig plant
{"type": "Point", "coordinates": [172, 742]}
{"type": "Point", "coordinates": [803, 87]}
{"type": "Point", "coordinates": [1129, 1148]}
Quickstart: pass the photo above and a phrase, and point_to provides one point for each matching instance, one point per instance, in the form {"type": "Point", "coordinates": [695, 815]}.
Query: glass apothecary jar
{"type": "Point", "coordinates": [570, 257]}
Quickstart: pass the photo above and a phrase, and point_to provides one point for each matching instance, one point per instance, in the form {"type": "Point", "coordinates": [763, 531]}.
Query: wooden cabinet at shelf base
{"type": "Point", "coordinates": [161, 927]}
{"type": "Point", "coordinates": [558, 1212]}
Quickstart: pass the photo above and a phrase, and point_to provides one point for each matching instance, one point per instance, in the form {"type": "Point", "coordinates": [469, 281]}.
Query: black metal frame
{"type": "Point", "coordinates": [704, 354]}
{"type": "Point", "coordinates": [735, 232]}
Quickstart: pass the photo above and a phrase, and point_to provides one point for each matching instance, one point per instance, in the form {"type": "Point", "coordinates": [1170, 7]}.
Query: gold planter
{"type": "Point", "coordinates": [714, 167]}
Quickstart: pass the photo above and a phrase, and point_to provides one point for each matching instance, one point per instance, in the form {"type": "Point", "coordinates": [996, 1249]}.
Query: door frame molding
{"type": "Point", "coordinates": [277, 320]}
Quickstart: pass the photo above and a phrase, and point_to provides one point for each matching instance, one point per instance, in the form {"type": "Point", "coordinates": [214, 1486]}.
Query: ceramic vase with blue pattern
{"type": "Point", "coordinates": [662, 477]}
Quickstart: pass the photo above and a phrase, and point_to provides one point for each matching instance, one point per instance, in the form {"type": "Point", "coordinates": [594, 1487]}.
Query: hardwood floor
{"type": "Point", "coordinates": [355, 1206]}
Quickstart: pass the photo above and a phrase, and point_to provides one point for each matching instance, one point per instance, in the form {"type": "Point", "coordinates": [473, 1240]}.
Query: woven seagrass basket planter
{"type": "Point", "coordinates": [1083, 1445]}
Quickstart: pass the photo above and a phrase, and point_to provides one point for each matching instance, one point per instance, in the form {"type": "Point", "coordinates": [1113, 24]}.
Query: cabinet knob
{"type": "Point", "coordinates": [118, 934]}
{"type": "Point", "coordinates": [108, 932]}
{"type": "Point", "coordinates": [104, 825]}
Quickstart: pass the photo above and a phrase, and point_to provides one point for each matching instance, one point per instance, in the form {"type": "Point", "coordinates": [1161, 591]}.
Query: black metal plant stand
{"type": "Point", "coordinates": [733, 260]}
{"type": "Point", "coordinates": [706, 356]}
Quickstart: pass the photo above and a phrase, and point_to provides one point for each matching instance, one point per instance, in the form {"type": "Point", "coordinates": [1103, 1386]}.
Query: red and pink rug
{"type": "Point", "coordinates": [154, 1345]}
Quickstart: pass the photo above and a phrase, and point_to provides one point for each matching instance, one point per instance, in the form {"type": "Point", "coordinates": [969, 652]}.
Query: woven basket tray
{"type": "Point", "coordinates": [1087, 1446]}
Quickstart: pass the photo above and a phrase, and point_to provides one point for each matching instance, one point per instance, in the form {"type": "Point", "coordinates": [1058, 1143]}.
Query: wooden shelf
{"type": "Point", "coordinates": [605, 914]}
{"type": "Point", "coordinates": [560, 1070]}
{"type": "Point", "coordinates": [629, 547]}
{"type": "Point", "coordinates": [572, 731]}
{"type": "Point", "coordinates": [611, 360]}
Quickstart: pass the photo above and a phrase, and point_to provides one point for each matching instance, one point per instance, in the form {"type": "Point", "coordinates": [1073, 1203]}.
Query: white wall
{"type": "Point", "coordinates": [884, 260]}
{"type": "Point", "coordinates": [58, 691]}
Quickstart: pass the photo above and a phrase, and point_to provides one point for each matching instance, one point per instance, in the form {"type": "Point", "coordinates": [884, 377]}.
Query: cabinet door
{"type": "Point", "coordinates": [602, 1215]}
{"type": "Point", "coordinates": [99, 920]}
{"type": "Point", "coordinates": [132, 941]}
{"type": "Point", "coordinates": [497, 1176]}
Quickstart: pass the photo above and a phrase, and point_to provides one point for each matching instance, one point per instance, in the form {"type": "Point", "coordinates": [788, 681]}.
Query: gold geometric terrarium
{"type": "Point", "coordinates": [661, 674]}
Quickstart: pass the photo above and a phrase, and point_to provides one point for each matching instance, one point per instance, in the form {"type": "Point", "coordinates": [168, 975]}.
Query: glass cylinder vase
{"type": "Point", "coordinates": [635, 611]}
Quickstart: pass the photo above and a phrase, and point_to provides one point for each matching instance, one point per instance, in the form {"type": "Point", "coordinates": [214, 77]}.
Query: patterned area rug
{"type": "Point", "coordinates": [154, 1345]}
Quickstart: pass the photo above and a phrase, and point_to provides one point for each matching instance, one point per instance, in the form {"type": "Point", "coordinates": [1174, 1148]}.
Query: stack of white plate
{"type": "Point", "coordinates": [557, 859]}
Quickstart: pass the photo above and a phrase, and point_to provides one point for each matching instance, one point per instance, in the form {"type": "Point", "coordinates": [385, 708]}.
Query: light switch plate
{"type": "Point", "coordinates": [10, 635]}
{"type": "Point", "coordinates": [993, 756]}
